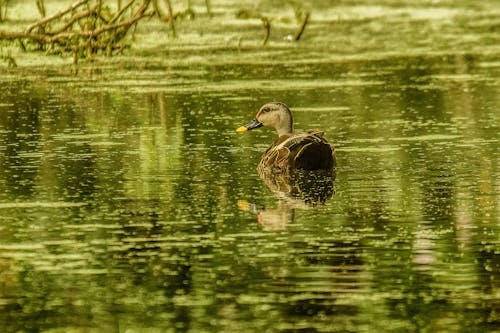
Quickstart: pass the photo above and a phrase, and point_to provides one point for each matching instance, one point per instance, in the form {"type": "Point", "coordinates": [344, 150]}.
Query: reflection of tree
{"type": "Point", "coordinates": [409, 234]}
{"type": "Point", "coordinates": [25, 126]}
{"type": "Point", "coordinates": [21, 139]}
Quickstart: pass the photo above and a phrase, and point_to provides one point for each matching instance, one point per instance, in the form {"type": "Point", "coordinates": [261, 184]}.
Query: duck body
{"type": "Point", "coordinates": [291, 151]}
{"type": "Point", "coordinates": [305, 151]}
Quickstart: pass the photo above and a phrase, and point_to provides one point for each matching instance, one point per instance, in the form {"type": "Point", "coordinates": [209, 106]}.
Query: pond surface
{"type": "Point", "coordinates": [128, 203]}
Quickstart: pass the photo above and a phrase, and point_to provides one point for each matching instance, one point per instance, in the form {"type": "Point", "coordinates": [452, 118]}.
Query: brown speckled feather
{"type": "Point", "coordinates": [306, 150]}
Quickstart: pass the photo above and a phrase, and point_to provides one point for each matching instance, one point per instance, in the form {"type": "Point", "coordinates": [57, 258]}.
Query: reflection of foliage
{"type": "Point", "coordinates": [11, 62]}
{"type": "Point", "coordinates": [161, 233]}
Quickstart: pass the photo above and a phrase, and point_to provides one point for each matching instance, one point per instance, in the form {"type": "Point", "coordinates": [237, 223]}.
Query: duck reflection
{"type": "Point", "coordinates": [276, 218]}
{"type": "Point", "coordinates": [301, 186]}
{"type": "Point", "coordinates": [300, 189]}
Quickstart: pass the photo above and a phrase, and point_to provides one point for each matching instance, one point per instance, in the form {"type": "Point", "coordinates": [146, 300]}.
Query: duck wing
{"type": "Point", "coordinates": [306, 150]}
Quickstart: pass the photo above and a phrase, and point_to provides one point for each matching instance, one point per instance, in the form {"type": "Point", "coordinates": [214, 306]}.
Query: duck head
{"type": "Point", "coordinates": [274, 114]}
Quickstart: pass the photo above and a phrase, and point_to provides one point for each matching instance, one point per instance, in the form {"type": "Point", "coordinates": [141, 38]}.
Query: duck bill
{"type": "Point", "coordinates": [250, 126]}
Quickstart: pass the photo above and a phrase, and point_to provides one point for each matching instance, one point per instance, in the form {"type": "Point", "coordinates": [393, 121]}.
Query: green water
{"type": "Point", "coordinates": [128, 203]}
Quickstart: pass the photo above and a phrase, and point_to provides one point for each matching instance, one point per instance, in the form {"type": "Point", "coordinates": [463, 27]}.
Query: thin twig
{"type": "Point", "coordinates": [64, 35]}
{"type": "Point", "coordinates": [299, 33]}
{"type": "Point", "coordinates": [267, 26]}
{"type": "Point", "coordinates": [209, 8]}
{"type": "Point", "coordinates": [41, 7]}
{"type": "Point", "coordinates": [83, 30]}
{"type": "Point", "coordinates": [171, 14]}
{"type": "Point", "coordinates": [121, 11]}
{"type": "Point", "coordinates": [266, 22]}
{"type": "Point", "coordinates": [75, 18]}
{"type": "Point", "coordinates": [57, 15]}
{"type": "Point", "coordinates": [3, 10]}
{"type": "Point", "coordinates": [23, 34]}
{"type": "Point", "coordinates": [94, 33]}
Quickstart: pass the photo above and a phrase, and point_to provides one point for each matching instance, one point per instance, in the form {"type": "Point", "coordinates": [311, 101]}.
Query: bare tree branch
{"type": "Point", "coordinates": [57, 15]}
{"type": "Point", "coordinates": [83, 31]}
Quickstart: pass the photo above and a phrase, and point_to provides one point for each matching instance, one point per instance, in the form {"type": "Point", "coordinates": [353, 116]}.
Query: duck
{"type": "Point", "coordinates": [291, 151]}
